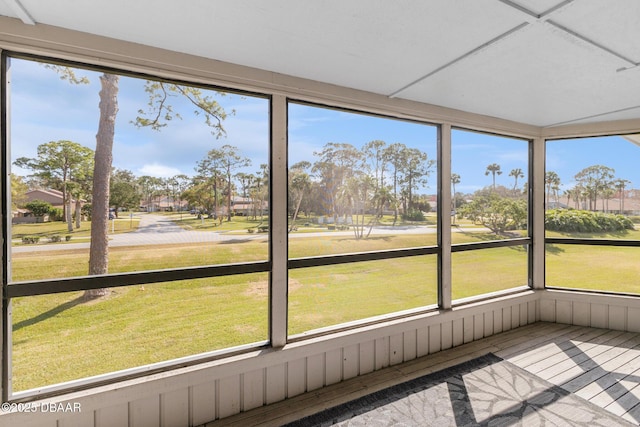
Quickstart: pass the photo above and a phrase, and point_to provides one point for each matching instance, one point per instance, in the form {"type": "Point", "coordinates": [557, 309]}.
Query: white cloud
{"type": "Point", "coordinates": [158, 170]}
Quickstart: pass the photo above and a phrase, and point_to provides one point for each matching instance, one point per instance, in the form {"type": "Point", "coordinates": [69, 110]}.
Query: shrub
{"type": "Point", "coordinates": [30, 240]}
{"type": "Point", "coordinates": [579, 221]}
{"type": "Point", "coordinates": [413, 215]}
{"type": "Point", "coordinates": [56, 214]}
{"type": "Point", "coordinates": [497, 213]}
{"type": "Point", "coordinates": [39, 207]}
{"type": "Point", "coordinates": [85, 210]}
{"type": "Point", "coordinates": [55, 238]}
{"type": "Point", "coordinates": [635, 219]}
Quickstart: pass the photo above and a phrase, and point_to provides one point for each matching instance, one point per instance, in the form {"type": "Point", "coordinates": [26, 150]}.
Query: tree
{"type": "Point", "coordinates": [59, 164]}
{"type": "Point", "coordinates": [39, 207]}
{"type": "Point", "coordinates": [160, 111]}
{"type": "Point", "coordinates": [620, 185]}
{"type": "Point", "coordinates": [497, 213]}
{"type": "Point", "coordinates": [123, 191]}
{"type": "Point", "coordinates": [595, 180]}
{"type": "Point", "coordinates": [455, 180]}
{"type": "Point", "coordinates": [99, 246]}
{"type": "Point", "coordinates": [516, 173]}
{"type": "Point", "coordinates": [552, 183]}
{"type": "Point", "coordinates": [395, 156]}
{"type": "Point", "coordinates": [358, 192]}
{"type": "Point", "coordinates": [149, 188]}
{"type": "Point", "coordinates": [374, 152]}
{"type": "Point", "coordinates": [299, 185]}
{"type": "Point", "coordinates": [415, 172]}
{"type": "Point", "coordinates": [493, 169]}
{"type": "Point", "coordinates": [221, 163]}
{"type": "Point", "coordinates": [337, 162]}
{"type": "Point", "coordinates": [18, 191]}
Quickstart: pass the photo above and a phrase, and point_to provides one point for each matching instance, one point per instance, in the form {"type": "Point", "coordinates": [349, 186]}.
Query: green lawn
{"type": "Point", "coordinates": [67, 338]}
{"type": "Point", "coordinates": [58, 228]}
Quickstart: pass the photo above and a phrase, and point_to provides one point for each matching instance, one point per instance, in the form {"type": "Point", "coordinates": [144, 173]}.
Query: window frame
{"type": "Point", "coordinates": [585, 241]}
{"type": "Point", "coordinates": [14, 289]}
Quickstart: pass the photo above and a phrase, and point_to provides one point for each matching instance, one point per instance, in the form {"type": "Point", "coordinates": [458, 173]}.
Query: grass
{"type": "Point", "coordinates": [59, 228]}
{"type": "Point", "coordinates": [67, 338]}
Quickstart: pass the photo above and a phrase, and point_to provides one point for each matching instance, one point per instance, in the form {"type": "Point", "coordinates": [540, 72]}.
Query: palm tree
{"type": "Point", "coordinates": [620, 185]}
{"type": "Point", "coordinates": [552, 182]}
{"type": "Point", "coordinates": [455, 179]}
{"type": "Point", "coordinates": [493, 169]}
{"type": "Point", "coordinates": [516, 173]}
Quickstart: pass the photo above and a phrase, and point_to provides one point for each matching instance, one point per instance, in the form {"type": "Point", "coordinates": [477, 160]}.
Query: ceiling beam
{"type": "Point", "coordinates": [21, 11]}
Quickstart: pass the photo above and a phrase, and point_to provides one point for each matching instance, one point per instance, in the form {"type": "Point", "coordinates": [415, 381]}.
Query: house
{"type": "Point", "coordinates": [529, 72]}
{"type": "Point", "coordinates": [51, 196]}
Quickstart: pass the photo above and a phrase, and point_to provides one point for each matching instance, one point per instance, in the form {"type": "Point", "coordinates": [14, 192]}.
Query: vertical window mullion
{"type": "Point", "coordinates": [278, 218]}
{"type": "Point", "coordinates": [5, 322]}
{"type": "Point", "coordinates": [444, 216]}
{"type": "Point", "coordinates": [537, 208]}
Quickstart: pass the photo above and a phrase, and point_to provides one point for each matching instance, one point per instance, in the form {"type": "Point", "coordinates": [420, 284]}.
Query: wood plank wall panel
{"type": "Point", "coordinates": [174, 408]}
{"type": "Point", "coordinates": [599, 315]}
{"type": "Point", "coordinates": [633, 319]}
{"type": "Point", "coordinates": [422, 341]}
{"type": "Point", "coordinates": [276, 383]}
{"type": "Point", "coordinates": [228, 393]}
{"type": "Point", "coordinates": [145, 412]}
{"type": "Point", "coordinates": [333, 366]}
{"type": "Point", "coordinates": [410, 345]}
{"type": "Point", "coordinates": [367, 353]}
{"type": "Point", "coordinates": [296, 377]}
{"type": "Point", "coordinates": [269, 377]}
{"type": "Point", "coordinates": [382, 353]}
{"type": "Point", "coordinates": [113, 416]}
{"type": "Point", "coordinates": [617, 312]}
{"type": "Point", "coordinates": [396, 349]}
{"type": "Point", "coordinates": [80, 419]}
{"type": "Point", "coordinates": [617, 317]}
{"type": "Point", "coordinates": [350, 361]}
{"type": "Point", "coordinates": [252, 387]}
{"type": "Point", "coordinates": [202, 402]}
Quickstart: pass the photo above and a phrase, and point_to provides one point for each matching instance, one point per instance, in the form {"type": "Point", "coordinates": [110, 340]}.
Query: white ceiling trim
{"type": "Point", "coordinates": [20, 11]}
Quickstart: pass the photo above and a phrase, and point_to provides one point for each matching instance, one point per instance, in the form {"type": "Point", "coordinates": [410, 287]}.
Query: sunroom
{"type": "Point", "coordinates": [339, 197]}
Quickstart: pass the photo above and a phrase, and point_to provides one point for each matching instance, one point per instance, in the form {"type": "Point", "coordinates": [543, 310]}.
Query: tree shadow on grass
{"type": "Point", "coordinates": [353, 239]}
{"type": "Point", "coordinates": [553, 249]}
{"type": "Point", "coordinates": [48, 314]}
{"type": "Point", "coordinates": [234, 241]}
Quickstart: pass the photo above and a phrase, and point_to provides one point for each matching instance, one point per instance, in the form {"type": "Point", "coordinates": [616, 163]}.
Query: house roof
{"type": "Point", "coordinates": [542, 63]}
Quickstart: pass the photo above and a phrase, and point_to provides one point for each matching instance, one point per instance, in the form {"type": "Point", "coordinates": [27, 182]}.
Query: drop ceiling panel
{"type": "Point", "coordinates": [378, 46]}
{"type": "Point", "coordinates": [539, 75]}
{"type": "Point", "coordinates": [613, 24]}
{"type": "Point", "coordinates": [538, 7]}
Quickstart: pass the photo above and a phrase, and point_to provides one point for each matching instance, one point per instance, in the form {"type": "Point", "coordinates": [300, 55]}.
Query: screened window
{"type": "Point", "coordinates": [143, 258]}
{"type": "Point", "coordinates": [489, 213]}
{"type": "Point", "coordinates": [592, 212]}
{"type": "Point", "coordinates": [362, 190]}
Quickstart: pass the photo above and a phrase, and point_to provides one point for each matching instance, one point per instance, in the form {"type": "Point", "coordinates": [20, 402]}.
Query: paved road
{"type": "Point", "coordinates": [158, 229]}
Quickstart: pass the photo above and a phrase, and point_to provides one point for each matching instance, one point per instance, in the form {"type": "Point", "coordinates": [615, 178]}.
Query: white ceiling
{"type": "Point", "coordinates": [540, 62]}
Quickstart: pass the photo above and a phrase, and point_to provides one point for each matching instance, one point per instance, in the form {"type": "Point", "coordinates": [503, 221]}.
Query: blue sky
{"type": "Point", "coordinates": [45, 108]}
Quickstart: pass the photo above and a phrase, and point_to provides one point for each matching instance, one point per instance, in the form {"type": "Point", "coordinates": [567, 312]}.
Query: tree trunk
{"type": "Point", "coordinates": [68, 216]}
{"type": "Point", "coordinates": [78, 211]}
{"type": "Point", "coordinates": [99, 248]}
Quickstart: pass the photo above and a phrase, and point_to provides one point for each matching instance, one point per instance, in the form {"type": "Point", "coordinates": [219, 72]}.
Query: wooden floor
{"type": "Point", "coordinates": [599, 365]}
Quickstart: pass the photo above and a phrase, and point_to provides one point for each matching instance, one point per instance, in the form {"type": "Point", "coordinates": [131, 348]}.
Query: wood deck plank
{"type": "Point", "coordinates": [600, 365]}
